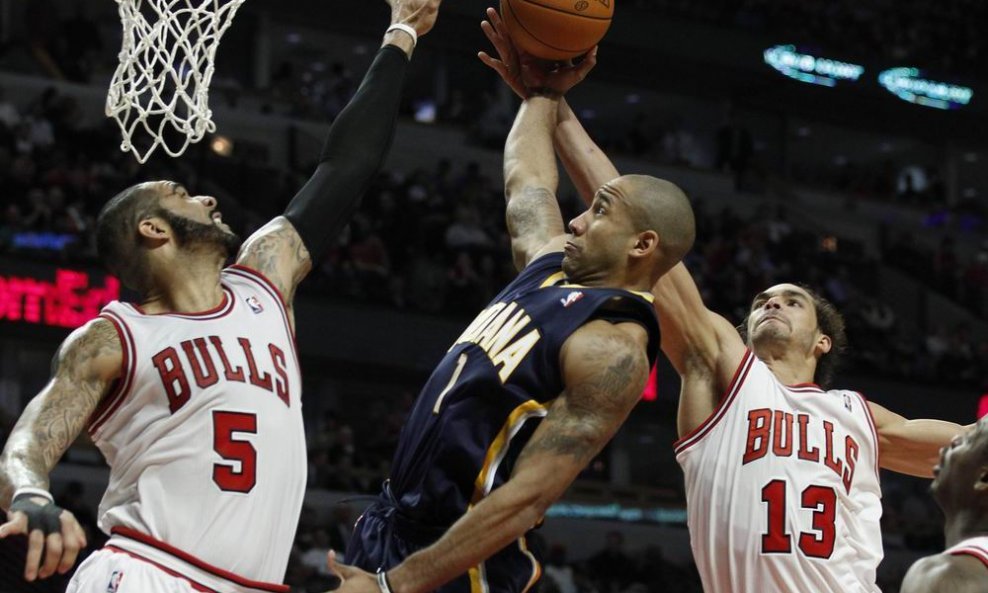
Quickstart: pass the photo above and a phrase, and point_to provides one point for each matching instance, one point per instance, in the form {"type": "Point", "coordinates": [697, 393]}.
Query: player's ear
{"type": "Point", "coordinates": [823, 344]}
{"type": "Point", "coordinates": [645, 243]}
{"type": "Point", "coordinates": [153, 228]}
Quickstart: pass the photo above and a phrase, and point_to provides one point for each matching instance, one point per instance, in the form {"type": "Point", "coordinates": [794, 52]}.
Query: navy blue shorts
{"type": "Point", "coordinates": [382, 538]}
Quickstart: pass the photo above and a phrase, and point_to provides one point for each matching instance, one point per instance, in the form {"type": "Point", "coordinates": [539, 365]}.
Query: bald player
{"type": "Point", "coordinates": [535, 386]}
{"type": "Point", "coordinates": [960, 487]}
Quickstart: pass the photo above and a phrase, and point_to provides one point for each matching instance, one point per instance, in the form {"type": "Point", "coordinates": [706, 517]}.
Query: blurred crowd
{"type": "Point", "coordinates": [941, 35]}
{"type": "Point", "coordinates": [434, 241]}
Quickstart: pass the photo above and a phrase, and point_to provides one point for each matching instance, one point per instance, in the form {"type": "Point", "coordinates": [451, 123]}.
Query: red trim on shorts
{"type": "Point", "coordinates": [221, 310]}
{"type": "Point", "coordinates": [874, 431]}
{"type": "Point", "coordinates": [730, 395]}
{"type": "Point", "coordinates": [192, 560]}
{"type": "Point", "coordinates": [978, 553]}
{"type": "Point", "coordinates": [112, 402]}
{"type": "Point", "coordinates": [272, 290]}
{"type": "Point", "coordinates": [194, 584]}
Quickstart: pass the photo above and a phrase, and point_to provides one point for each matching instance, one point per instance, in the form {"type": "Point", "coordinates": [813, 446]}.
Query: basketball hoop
{"type": "Point", "coordinates": [166, 65]}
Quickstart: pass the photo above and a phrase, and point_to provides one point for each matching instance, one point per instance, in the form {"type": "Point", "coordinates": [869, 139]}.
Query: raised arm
{"type": "Point", "coordinates": [83, 370]}
{"type": "Point", "coordinates": [284, 249]}
{"type": "Point", "coordinates": [911, 446]}
{"type": "Point", "coordinates": [604, 367]}
{"type": "Point", "coordinates": [534, 220]}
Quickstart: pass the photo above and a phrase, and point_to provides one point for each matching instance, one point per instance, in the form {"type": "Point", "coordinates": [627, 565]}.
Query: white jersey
{"type": "Point", "coordinates": [204, 439]}
{"type": "Point", "coordinates": [975, 546]}
{"type": "Point", "coordinates": [782, 489]}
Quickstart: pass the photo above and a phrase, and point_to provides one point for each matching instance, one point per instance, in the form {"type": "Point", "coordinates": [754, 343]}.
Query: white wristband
{"type": "Point", "coordinates": [382, 582]}
{"type": "Point", "coordinates": [406, 29]}
{"type": "Point", "coordinates": [34, 492]}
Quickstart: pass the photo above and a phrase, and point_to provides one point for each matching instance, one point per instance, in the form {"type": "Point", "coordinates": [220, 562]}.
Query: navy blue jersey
{"type": "Point", "coordinates": [496, 382]}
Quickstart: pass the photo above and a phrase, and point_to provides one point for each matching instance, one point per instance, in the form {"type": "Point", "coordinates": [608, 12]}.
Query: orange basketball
{"type": "Point", "coordinates": [556, 29]}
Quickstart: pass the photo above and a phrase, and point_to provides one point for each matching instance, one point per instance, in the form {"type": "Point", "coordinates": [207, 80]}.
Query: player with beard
{"type": "Point", "coordinates": [781, 471]}
{"type": "Point", "coordinates": [193, 394]}
{"type": "Point", "coordinates": [960, 487]}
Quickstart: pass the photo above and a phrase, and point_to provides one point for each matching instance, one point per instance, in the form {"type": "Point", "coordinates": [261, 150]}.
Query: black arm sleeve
{"type": "Point", "coordinates": [357, 143]}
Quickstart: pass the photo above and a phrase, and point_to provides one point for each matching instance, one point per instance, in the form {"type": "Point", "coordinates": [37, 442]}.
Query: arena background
{"type": "Point", "coordinates": [798, 169]}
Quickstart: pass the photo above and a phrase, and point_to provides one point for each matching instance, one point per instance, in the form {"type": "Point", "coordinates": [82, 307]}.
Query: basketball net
{"type": "Point", "coordinates": [166, 64]}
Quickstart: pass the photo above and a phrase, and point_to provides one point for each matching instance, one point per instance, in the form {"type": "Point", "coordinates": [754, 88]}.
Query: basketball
{"type": "Point", "coordinates": [556, 29]}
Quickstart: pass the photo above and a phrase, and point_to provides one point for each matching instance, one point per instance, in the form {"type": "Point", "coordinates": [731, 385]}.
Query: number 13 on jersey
{"type": "Point", "coordinates": [821, 503]}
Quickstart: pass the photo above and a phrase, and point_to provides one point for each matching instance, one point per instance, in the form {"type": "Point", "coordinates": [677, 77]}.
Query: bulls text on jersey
{"type": "Point", "coordinates": [772, 431]}
{"type": "Point", "coordinates": [209, 358]}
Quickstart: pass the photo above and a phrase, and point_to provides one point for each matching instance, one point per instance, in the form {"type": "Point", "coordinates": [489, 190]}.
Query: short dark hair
{"type": "Point", "coordinates": [117, 241]}
{"type": "Point", "coordinates": [831, 324]}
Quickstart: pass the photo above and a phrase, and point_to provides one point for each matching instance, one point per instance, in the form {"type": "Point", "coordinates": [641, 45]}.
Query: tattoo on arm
{"type": "Point", "coordinates": [533, 218]}
{"type": "Point", "coordinates": [278, 252]}
{"type": "Point", "coordinates": [81, 376]}
{"type": "Point", "coordinates": [590, 412]}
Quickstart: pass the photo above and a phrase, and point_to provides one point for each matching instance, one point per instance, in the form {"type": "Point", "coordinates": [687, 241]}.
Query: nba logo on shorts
{"type": "Point", "coordinates": [254, 304]}
{"type": "Point", "coordinates": [114, 583]}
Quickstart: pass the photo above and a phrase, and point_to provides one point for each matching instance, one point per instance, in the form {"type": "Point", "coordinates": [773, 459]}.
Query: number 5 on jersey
{"type": "Point", "coordinates": [240, 452]}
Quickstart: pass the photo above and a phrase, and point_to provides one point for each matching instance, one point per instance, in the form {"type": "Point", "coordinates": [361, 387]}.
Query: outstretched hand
{"type": "Point", "coordinates": [53, 542]}
{"type": "Point", "coordinates": [418, 14]}
{"type": "Point", "coordinates": [352, 579]}
{"type": "Point", "coordinates": [509, 65]}
{"type": "Point", "coordinates": [524, 73]}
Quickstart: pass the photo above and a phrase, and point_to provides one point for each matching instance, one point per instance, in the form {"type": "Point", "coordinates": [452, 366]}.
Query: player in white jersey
{"type": "Point", "coordinates": [781, 475]}
{"type": "Point", "coordinates": [960, 487]}
{"type": "Point", "coordinates": [194, 395]}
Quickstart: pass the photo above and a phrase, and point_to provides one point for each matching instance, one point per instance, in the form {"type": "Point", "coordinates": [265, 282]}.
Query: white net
{"type": "Point", "coordinates": [161, 86]}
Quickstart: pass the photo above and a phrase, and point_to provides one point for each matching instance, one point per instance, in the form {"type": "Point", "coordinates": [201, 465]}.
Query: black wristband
{"type": "Point", "coordinates": [39, 516]}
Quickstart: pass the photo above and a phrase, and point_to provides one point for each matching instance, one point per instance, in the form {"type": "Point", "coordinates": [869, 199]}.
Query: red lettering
{"type": "Point", "coordinates": [66, 302]}
{"type": "Point", "coordinates": [228, 371]}
{"type": "Point", "coordinates": [261, 380]}
{"type": "Point", "coordinates": [210, 376]}
{"type": "Point", "coordinates": [809, 454]}
{"type": "Point", "coordinates": [782, 434]}
{"type": "Point", "coordinates": [172, 378]}
{"type": "Point", "coordinates": [759, 427]}
{"type": "Point", "coordinates": [281, 383]}
{"type": "Point", "coordinates": [851, 457]}
{"type": "Point", "coordinates": [835, 464]}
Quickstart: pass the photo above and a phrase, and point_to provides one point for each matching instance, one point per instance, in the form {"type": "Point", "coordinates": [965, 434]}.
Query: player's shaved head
{"type": "Point", "coordinates": [660, 206]}
{"type": "Point", "coordinates": [117, 241]}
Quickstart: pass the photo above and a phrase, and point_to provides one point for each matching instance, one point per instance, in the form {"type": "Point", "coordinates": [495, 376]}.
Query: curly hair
{"type": "Point", "coordinates": [831, 324]}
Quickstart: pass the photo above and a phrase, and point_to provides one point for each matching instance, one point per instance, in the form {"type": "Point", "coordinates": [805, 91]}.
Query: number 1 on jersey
{"type": "Point", "coordinates": [460, 363]}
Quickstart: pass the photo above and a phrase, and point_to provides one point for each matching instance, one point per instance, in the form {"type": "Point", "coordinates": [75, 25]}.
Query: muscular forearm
{"type": "Point", "coordinates": [24, 463]}
{"type": "Point", "coordinates": [529, 160]}
{"type": "Point", "coordinates": [354, 150]}
{"type": "Point", "coordinates": [914, 446]}
{"type": "Point", "coordinates": [501, 518]}
{"type": "Point", "coordinates": [586, 164]}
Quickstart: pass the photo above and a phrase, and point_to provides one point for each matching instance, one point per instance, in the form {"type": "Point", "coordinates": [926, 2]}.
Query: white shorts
{"type": "Point", "coordinates": [106, 571]}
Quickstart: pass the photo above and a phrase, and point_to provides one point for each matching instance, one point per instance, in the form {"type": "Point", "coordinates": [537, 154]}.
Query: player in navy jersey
{"type": "Point", "coordinates": [535, 386]}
